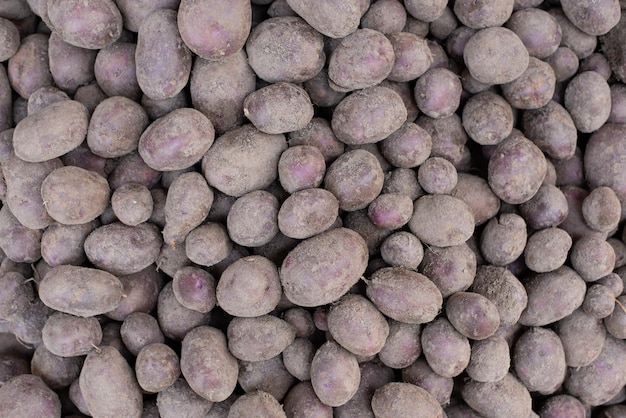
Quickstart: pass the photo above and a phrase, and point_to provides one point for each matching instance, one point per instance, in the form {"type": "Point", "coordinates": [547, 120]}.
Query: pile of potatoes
{"type": "Point", "coordinates": [312, 208]}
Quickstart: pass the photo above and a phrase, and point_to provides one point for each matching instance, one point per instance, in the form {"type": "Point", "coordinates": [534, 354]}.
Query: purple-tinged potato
{"type": "Point", "coordinates": [402, 249]}
{"type": "Point", "coordinates": [407, 147]}
{"type": "Point", "coordinates": [90, 96]}
{"type": "Point", "coordinates": [218, 89]}
{"type": "Point", "coordinates": [319, 134]}
{"type": "Point", "coordinates": [57, 372]}
{"type": "Point", "coordinates": [539, 31]}
{"type": "Point", "coordinates": [176, 141]}
{"type": "Point", "coordinates": [564, 63]}
{"type": "Point", "coordinates": [437, 175]}
{"type": "Point", "coordinates": [71, 66]}
{"type": "Point", "coordinates": [301, 401]}
{"type": "Point", "coordinates": [438, 93]}
{"type": "Point", "coordinates": [17, 294]}
{"type": "Point", "coordinates": [420, 374]}
{"type": "Point", "coordinates": [279, 108]}
{"type": "Point", "coordinates": [368, 116]}
{"type": "Point", "coordinates": [399, 399]}
{"type": "Point", "coordinates": [588, 101]}
{"type": "Point", "coordinates": [174, 319]}
{"type": "Point", "coordinates": [490, 360]}
{"type": "Point", "coordinates": [615, 323]}
{"type": "Point", "coordinates": [445, 349]}
{"type": "Point", "coordinates": [162, 59]}
{"type": "Point", "coordinates": [109, 386]}
{"type": "Point", "coordinates": [451, 269]}
{"type": "Point", "coordinates": [301, 167]}
{"type": "Point", "coordinates": [19, 243]}
{"type": "Point", "coordinates": [602, 209]}
{"type": "Point", "coordinates": [412, 56]}
{"type": "Point", "coordinates": [270, 376]}
{"type": "Point", "coordinates": [599, 381]}
{"type": "Point", "coordinates": [487, 118]}
{"type": "Point", "coordinates": [207, 365]}
{"type": "Point", "coordinates": [335, 374]}
{"type": "Point", "coordinates": [359, 222]}
{"type": "Point", "coordinates": [275, 57]}
{"type": "Point", "coordinates": [534, 88]}
{"type": "Point", "coordinates": [404, 295]}
{"type": "Point", "coordinates": [189, 199]}
{"type": "Point", "coordinates": [134, 12]}
{"type": "Point", "coordinates": [29, 69]}
{"type": "Point", "coordinates": [574, 224]}
{"type": "Point", "coordinates": [156, 367]}
{"type": "Point", "coordinates": [208, 244]}
{"type": "Point", "coordinates": [483, 14]}
{"type": "Point", "coordinates": [592, 258]}
{"type": "Point", "coordinates": [582, 337]}
{"type": "Point", "coordinates": [323, 268]}
{"type": "Point", "coordinates": [387, 17]}
{"type": "Point", "coordinates": [307, 213]}
{"type": "Point", "coordinates": [477, 194]}
{"type": "Point", "coordinates": [122, 249]}
{"type": "Point", "coordinates": [43, 97]}
{"type": "Point", "coordinates": [447, 134]}
{"type": "Point", "coordinates": [194, 288]}
{"type": "Point", "coordinates": [547, 249]}
{"type": "Point", "coordinates": [256, 402]}
{"type": "Point", "coordinates": [552, 296]}
{"type": "Point", "coordinates": [320, 91]}
{"type": "Point", "coordinates": [473, 315]}
{"type": "Point", "coordinates": [70, 336]}
{"type": "Point", "coordinates": [27, 395]}
{"type": "Point", "coordinates": [503, 239]}
{"type": "Point", "coordinates": [80, 291]}
{"type": "Point", "coordinates": [390, 210]}
{"type": "Point", "coordinates": [138, 330]}
{"type": "Point", "coordinates": [11, 39]}
{"type": "Point", "coordinates": [548, 208]}
{"type": "Point", "coordinates": [253, 219]}
{"type": "Point", "coordinates": [131, 168]}
{"type": "Point", "coordinates": [442, 220]}
{"type": "Point", "coordinates": [157, 108]}
{"type": "Point", "coordinates": [329, 17]}
{"type": "Point", "coordinates": [501, 287]}
{"type": "Point", "coordinates": [404, 181]}
{"type": "Point", "coordinates": [302, 320]}
{"type": "Point", "coordinates": [539, 360]}
{"type": "Point", "coordinates": [592, 17]}
{"type": "Point", "coordinates": [214, 30]}
{"type": "Point", "coordinates": [115, 70]}
{"type": "Point", "coordinates": [46, 134]}
{"type": "Point", "coordinates": [180, 398]}
{"type": "Point", "coordinates": [115, 127]}
{"type": "Point", "coordinates": [563, 406]}
{"type": "Point", "coordinates": [132, 204]}
{"type": "Point", "coordinates": [505, 398]}
{"type": "Point", "coordinates": [259, 338]}
{"type": "Point", "coordinates": [297, 358]}
{"type": "Point", "coordinates": [86, 24]}
{"type": "Point", "coordinates": [141, 292]}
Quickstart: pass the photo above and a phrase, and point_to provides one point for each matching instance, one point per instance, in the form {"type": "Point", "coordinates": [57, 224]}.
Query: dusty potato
{"type": "Point", "coordinates": [561, 406]}
{"type": "Point", "coordinates": [592, 258]}
{"type": "Point", "coordinates": [451, 269]}
{"type": "Point", "coordinates": [116, 72]}
{"type": "Point", "coordinates": [447, 134]}
{"type": "Point", "coordinates": [412, 57]}
{"type": "Point", "coordinates": [253, 219]}
{"type": "Point", "coordinates": [483, 14]}
{"type": "Point", "coordinates": [616, 322]}
{"type": "Point", "coordinates": [301, 401]}
{"type": "Point", "coordinates": [301, 167]}
{"type": "Point", "coordinates": [407, 147]}
{"type": "Point", "coordinates": [132, 204]}
{"type": "Point", "coordinates": [70, 336]}
{"type": "Point", "coordinates": [57, 372]}
{"type": "Point", "coordinates": [259, 338]}
{"type": "Point", "coordinates": [548, 208]}
{"type": "Point", "coordinates": [507, 397]}
{"type": "Point", "coordinates": [28, 395]}
{"type": "Point", "coordinates": [208, 244]}
{"type": "Point", "coordinates": [70, 66]}
{"type": "Point", "coordinates": [398, 399]}
{"type": "Point", "coordinates": [437, 175]}
{"type": "Point", "coordinates": [307, 213]}
{"type": "Point", "coordinates": [269, 376]}
{"type": "Point", "coordinates": [108, 384]}
{"type": "Point", "coordinates": [487, 118]}
{"type": "Point", "coordinates": [279, 108]}
{"type": "Point", "coordinates": [229, 24]}
{"type": "Point", "coordinates": [588, 100]}
{"type": "Point", "coordinates": [138, 330]}
{"type": "Point", "coordinates": [538, 30]}
{"type": "Point", "coordinates": [174, 319]}
{"type": "Point", "coordinates": [11, 39]}
{"type": "Point", "coordinates": [593, 18]}
{"type": "Point", "coordinates": [194, 288]}
{"type": "Point", "coordinates": [131, 168]}
{"type": "Point", "coordinates": [425, 11]}
{"type": "Point", "coordinates": [141, 290]}
{"type": "Point", "coordinates": [602, 209]}
{"type": "Point", "coordinates": [297, 358]}
{"type": "Point", "coordinates": [547, 250]}
{"type": "Point", "coordinates": [19, 243]}
{"type": "Point", "coordinates": [420, 374]}
{"type": "Point", "coordinates": [285, 49]}
{"type": "Point", "coordinates": [402, 249]}
{"type": "Point", "coordinates": [452, 360]}
{"type": "Point", "coordinates": [473, 315]}
{"type": "Point", "coordinates": [122, 249]}
{"type": "Point", "coordinates": [80, 291]}
{"type": "Point", "coordinates": [156, 367]}
{"type": "Point", "coordinates": [552, 129]}
{"type": "Point", "coordinates": [28, 69]}
{"type": "Point", "coordinates": [179, 399]}
{"type": "Point", "coordinates": [503, 239]}
{"type": "Point", "coordinates": [162, 59]}
{"type": "Point", "coordinates": [335, 374]}
{"type": "Point", "coordinates": [504, 289]}
{"type": "Point", "coordinates": [599, 301]}
{"type": "Point", "coordinates": [318, 133]}
{"type": "Point", "coordinates": [438, 93]}
{"type": "Point", "coordinates": [256, 402]}
{"type": "Point", "coordinates": [441, 220]}
{"type": "Point", "coordinates": [331, 18]}
{"type": "Point", "coordinates": [320, 91]}
{"type": "Point", "coordinates": [17, 294]}
{"type": "Point", "coordinates": [490, 360]}
{"type": "Point", "coordinates": [539, 360]}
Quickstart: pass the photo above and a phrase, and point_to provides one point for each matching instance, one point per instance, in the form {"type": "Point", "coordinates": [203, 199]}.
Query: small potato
{"type": "Point", "coordinates": [547, 250]}
{"type": "Point", "coordinates": [565, 283]}
{"type": "Point", "coordinates": [403, 345]}
{"type": "Point", "coordinates": [602, 209]}
{"type": "Point", "coordinates": [441, 220]}
{"type": "Point", "coordinates": [562, 406]}
{"type": "Point", "coordinates": [122, 249]}
{"type": "Point", "coordinates": [242, 160]}
{"type": "Point", "coordinates": [249, 287]}
{"type": "Point", "coordinates": [320, 91]}
{"type": "Point", "coordinates": [420, 374]}
{"type": "Point", "coordinates": [301, 167]}
{"type": "Point", "coordinates": [352, 121]}
{"type": "Point", "coordinates": [297, 358]}
{"type": "Point", "coordinates": [156, 367]}
{"type": "Point", "coordinates": [616, 322]}
{"type": "Point", "coordinates": [484, 14]}
{"type": "Point", "coordinates": [318, 133]}
{"type": "Point", "coordinates": [57, 372]}
{"type": "Point", "coordinates": [490, 360]}
{"type": "Point", "coordinates": [330, 18]}
{"type": "Point", "coordinates": [438, 93]}
{"type": "Point", "coordinates": [301, 401]}
{"type": "Point", "coordinates": [27, 395]}
{"type": "Point", "coordinates": [402, 249]}
{"type": "Point", "coordinates": [404, 399]}
{"type": "Point", "coordinates": [307, 213]}
{"type": "Point", "coordinates": [70, 336]}
{"type": "Point", "coordinates": [437, 175]}
{"type": "Point", "coordinates": [256, 402]}
{"type": "Point", "coordinates": [208, 244]}
{"type": "Point", "coordinates": [80, 291]}
{"type": "Point", "coordinates": [16, 296]}
{"type": "Point", "coordinates": [132, 204]}
{"type": "Point", "coordinates": [141, 290]}
{"type": "Point", "coordinates": [505, 398]}
{"type": "Point", "coordinates": [131, 168]}
{"type": "Point", "coordinates": [487, 118]}
{"type": "Point", "coordinates": [582, 337]}
{"type": "Point", "coordinates": [390, 210]}
{"type": "Point", "coordinates": [564, 63]}
{"type": "Point", "coordinates": [115, 127]}
{"type": "Point", "coordinates": [19, 243]}
{"type": "Point", "coordinates": [44, 135]}
{"type": "Point", "coordinates": [355, 178]}
{"type": "Point", "coordinates": [538, 30]}
{"type": "Point", "coordinates": [253, 219]}
{"type": "Point", "coordinates": [188, 201]}
{"type": "Point", "coordinates": [335, 374]}
{"type": "Point", "coordinates": [11, 39]}
{"type": "Point", "coordinates": [174, 319]}
{"type": "Point", "coordinates": [138, 330]}
{"type": "Point", "coordinates": [501, 287]}
{"type": "Point", "coordinates": [204, 353]}
{"type": "Point", "coordinates": [116, 72]}
{"type": "Point", "coordinates": [411, 53]}
{"type": "Point", "coordinates": [407, 147]}
{"type": "Point", "coordinates": [270, 376]}
{"type": "Point", "coordinates": [592, 258]}
{"type": "Point", "coordinates": [302, 320]}
{"type": "Point", "coordinates": [29, 69]}
{"type": "Point", "coordinates": [477, 194]}
{"type": "Point", "coordinates": [404, 295]}
{"type": "Point", "coordinates": [229, 24]}
{"type": "Point", "coordinates": [593, 18]}
{"type": "Point", "coordinates": [162, 59]}
{"type": "Point", "coordinates": [451, 269]}
{"type": "Point", "coordinates": [387, 17]}
{"type": "Point", "coordinates": [425, 12]}
{"type": "Point", "coordinates": [259, 338]}
{"type": "Point", "coordinates": [539, 360]}
{"type": "Point", "coordinates": [473, 315]}
{"type": "Point", "coordinates": [448, 136]}
{"type": "Point", "coordinates": [27, 325]}
{"type": "Point", "coordinates": [452, 360]}
{"type": "Point", "coordinates": [404, 181]}
{"type": "Point", "coordinates": [275, 57]}
{"type": "Point", "coordinates": [279, 108]}
{"type": "Point", "coordinates": [179, 399]}
{"type": "Point", "coordinates": [194, 288]}
{"type": "Point", "coordinates": [70, 66]}
{"type": "Point", "coordinates": [548, 208]}
{"type": "Point", "coordinates": [504, 238]}
{"type": "Point", "coordinates": [105, 376]}
{"type": "Point", "coordinates": [588, 100]}
{"type": "Point", "coordinates": [495, 56]}
{"type": "Point", "coordinates": [552, 129]}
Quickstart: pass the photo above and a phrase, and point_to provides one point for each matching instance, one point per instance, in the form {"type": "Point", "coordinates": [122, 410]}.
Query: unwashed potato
{"type": "Point", "coordinates": [259, 338]}
{"type": "Point", "coordinates": [70, 336]}
{"type": "Point", "coordinates": [331, 18]}
{"type": "Point", "coordinates": [335, 374]}
{"type": "Point", "coordinates": [507, 397]}
{"type": "Point", "coordinates": [256, 402]}
{"type": "Point", "coordinates": [473, 315]}
{"type": "Point", "coordinates": [116, 72]}
{"type": "Point", "coordinates": [252, 220]}
{"type": "Point", "coordinates": [56, 371]}
{"type": "Point", "coordinates": [404, 399]}
{"type": "Point", "coordinates": [27, 395]}
{"type": "Point", "coordinates": [442, 220]}
{"type": "Point", "coordinates": [70, 66]}
{"type": "Point", "coordinates": [179, 399]}
{"type": "Point", "coordinates": [175, 320]}
{"type": "Point", "coordinates": [454, 359]}
{"type": "Point", "coordinates": [582, 337]}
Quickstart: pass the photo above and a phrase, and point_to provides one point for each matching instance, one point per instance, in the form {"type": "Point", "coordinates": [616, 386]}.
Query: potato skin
{"type": "Point", "coordinates": [398, 399]}
{"type": "Point", "coordinates": [473, 315]}
{"type": "Point", "coordinates": [441, 220]}
{"type": "Point", "coordinates": [448, 362]}
{"type": "Point", "coordinates": [259, 338]}
{"type": "Point", "coordinates": [109, 386]}
{"type": "Point", "coordinates": [29, 68]}
{"type": "Point", "coordinates": [307, 213]}
{"type": "Point", "coordinates": [505, 398]}
{"type": "Point", "coordinates": [207, 365]}
{"type": "Point", "coordinates": [80, 291]}
{"type": "Point", "coordinates": [214, 30]}
{"type": "Point", "coordinates": [321, 269]}
{"type": "Point", "coordinates": [26, 395]}
{"type": "Point", "coordinates": [70, 336]}
{"type": "Point", "coordinates": [592, 17]}
{"type": "Point", "coordinates": [335, 19]}
{"type": "Point", "coordinates": [335, 374]}
{"type": "Point", "coordinates": [256, 402]}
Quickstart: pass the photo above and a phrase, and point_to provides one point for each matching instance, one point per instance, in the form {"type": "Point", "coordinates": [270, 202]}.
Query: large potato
{"type": "Point", "coordinates": [335, 374]}
{"type": "Point", "coordinates": [27, 395]}
{"type": "Point", "coordinates": [505, 398]}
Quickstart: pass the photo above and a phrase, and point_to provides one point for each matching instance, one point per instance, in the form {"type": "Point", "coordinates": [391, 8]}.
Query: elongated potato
{"type": "Point", "coordinates": [335, 374]}
{"type": "Point", "coordinates": [398, 399]}
{"type": "Point", "coordinates": [70, 336]}
{"type": "Point", "coordinates": [505, 398]}
{"type": "Point", "coordinates": [332, 18]}
{"type": "Point", "coordinates": [259, 338]}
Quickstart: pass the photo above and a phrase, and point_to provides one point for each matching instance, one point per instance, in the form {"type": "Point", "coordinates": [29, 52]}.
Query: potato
{"type": "Point", "coordinates": [17, 294]}
{"type": "Point", "coordinates": [538, 30]}
{"type": "Point", "coordinates": [6, 104]}
{"type": "Point", "coordinates": [455, 358]}
{"type": "Point", "coordinates": [307, 213]}
{"type": "Point", "coordinates": [603, 378]}
{"type": "Point", "coordinates": [437, 175]}
{"type": "Point", "coordinates": [275, 57]}
{"type": "Point", "coordinates": [599, 301]}
{"type": "Point", "coordinates": [106, 376]}
{"type": "Point", "coordinates": [80, 291]}
{"type": "Point", "coordinates": [11, 37]}
{"type": "Point", "coordinates": [473, 315]}
{"type": "Point", "coordinates": [70, 336]}
{"type": "Point", "coordinates": [402, 249]}
{"type": "Point", "coordinates": [490, 360]}
{"type": "Point", "coordinates": [412, 57]}
{"type": "Point", "coordinates": [301, 401]}
{"type": "Point", "coordinates": [218, 89]}
{"type": "Point", "coordinates": [29, 69]}
{"type": "Point", "coordinates": [257, 402]}
{"type": "Point", "coordinates": [122, 249]}
{"type": "Point", "coordinates": [19, 243]}
{"type": "Point", "coordinates": [207, 365]}
{"type": "Point", "coordinates": [174, 319]}
{"type": "Point", "coordinates": [230, 24]}
{"type": "Point", "coordinates": [320, 91]}
{"type": "Point", "coordinates": [278, 108]}
{"type": "Point", "coordinates": [591, 17]}
{"type": "Point", "coordinates": [138, 330]}
{"type": "Point", "coordinates": [27, 395]}
{"type": "Point", "coordinates": [269, 376]}
{"type": "Point", "coordinates": [349, 121]}
{"type": "Point", "coordinates": [441, 220]}
{"type": "Point", "coordinates": [602, 209]}
{"type": "Point", "coordinates": [407, 147]}
{"type": "Point", "coordinates": [115, 70]}
{"type": "Point", "coordinates": [301, 167]}
{"type": "Point", "coordinates": [156, 367]}
{"type": "Point", "coordinates": [588, 100]}
{"type": "Point", "coordinates": [616, 322]}
{"type": "Point", "coordinates": [495, 56]}
{"type": "Point", "coordinates": [503, 239]}
{"type": "Point", "coordinates": [425, 11]}
{"type": "Point", "coordinates": [318, 133]}
{"type": "Point", "coordinates": [335, 374]}
{"type": "Point", "coordinates": [451, 269]}
{"type": "Point", "coordinates": [561, 406]}
{"type": "Point", "coordinates": [592, 258]}
{"type": "Point", "coordinates": [420, 374]}
{"type": "Point", "coordinates": [259, 338]}
{"type": "Point", "coordinates": [373, 376]}
{"type": "Point", "coordinates": [487, 118]}
{"type": "Point", "coordinates": [447, 134]}
{"type": "Point", "coordinates": [242, 160]}
{"type": "Point", "coordinates": [178, 399]}
{"type": "Point", "coordinates": [403, 399]}
{"type": "Point", "coordinates": [56, 372]}
{"type": "Point", "coordinates": [438, 93]}
{"type": "Point", "coordinates": [507, 397]}
{"type": "Point", "coordinates": [132, 204]}
{"type": "Point", "coordinates": [194, 288]}
{"type": "Point", "coordinates": [335, 20]}
{"type": "Point", "coordinates": [208, 244]}
{"type": "Point", "coordinates": [563, 287]}
{"type": "Point", "coordinates": [141, 290]}
{"type": "Point", "coordinates": [501, 287]}
{"type": "Point", "coordinates": [484, 14]}
{"type": "Point", "coordinates": [516, 170]}
{"type": "Point", "coordinates": [70, 66]}
{"type": "Point", "coordinates": [159, 77]}
{"type": "Point", "coordinates": [252, 220]}
{"type": "Point", "coordinates": [539, 360]}
{"type": "Point", "coordinates": [596, 62]}
{"type": "Point", "coordinates": [547, 250]}
{"type": "Point", "coordinates": [387, 17]}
